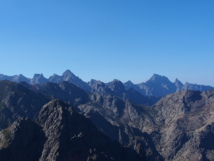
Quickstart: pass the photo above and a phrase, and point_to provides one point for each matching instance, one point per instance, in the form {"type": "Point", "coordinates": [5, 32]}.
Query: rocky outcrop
{"type": "Point", "coordinates": [179, 127]}
{"type": "Point", "coordinates": [60, 134]}
{"type": "Point", "coordinates": [38, 79]}
{"type": "Point", "coordinates": [72, 136]}
{"type": "Point", "coordinates": [122, 121]}
{"type": "Point", "coordinates": [18, 101]}
{"type": "Point", "coordinates": [22, 141]}
{"type": "Point", "coordinates": [185, 126]}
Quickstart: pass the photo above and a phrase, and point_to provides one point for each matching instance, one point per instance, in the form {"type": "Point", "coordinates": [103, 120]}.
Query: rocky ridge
{"type": "Point", "coordinates": [60, 134]}
{"type": "Point", "coordinates": [117, 88]}
{"type": "Point", "coordinates": [178, 127]}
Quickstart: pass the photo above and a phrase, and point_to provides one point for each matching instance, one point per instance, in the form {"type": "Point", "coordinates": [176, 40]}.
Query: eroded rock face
{"type": "Point", "coordinates": [73, 137]}
{"type": "Point", "coordinates": [122, 121]}
{"type": "Point", "coordinates": [18, 101]}
{"type": "Point", "coordinates": [22, 141]}
{"type": "Point", "coordinates": [184, 120]}
{"type": "Point", "coordinates": [60, 134]}
{"type": "Point", "coordinates": [178, 127]}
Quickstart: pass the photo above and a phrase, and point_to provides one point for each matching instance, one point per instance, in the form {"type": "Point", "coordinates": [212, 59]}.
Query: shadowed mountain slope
{"type": "Point", "coordinates": [60, 135]}
{"type": "Point", "coordinates": [178, 127]}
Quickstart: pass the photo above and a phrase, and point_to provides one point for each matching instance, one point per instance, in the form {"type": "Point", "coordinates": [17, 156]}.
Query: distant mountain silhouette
{"type": "Point", "coordinates": [117, 88]}
{"type": "Point", "coordinates": [40, 79]}
{"type": "Point", "coordinates": [160, 86]}
{"type": "Point", "coordinates": [70, 77]}
{"type": "Point", "coordinates": [157, 86]}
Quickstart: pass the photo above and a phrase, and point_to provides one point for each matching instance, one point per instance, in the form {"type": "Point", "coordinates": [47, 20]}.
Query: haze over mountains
{"type": "Point", "coordinates": [68, 119]}
{"type": "Point", "coordinates": [157, 85]}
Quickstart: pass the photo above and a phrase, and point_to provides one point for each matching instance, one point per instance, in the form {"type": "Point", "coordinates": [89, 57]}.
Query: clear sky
{"type": "Point", "coordinates": [109, 39]}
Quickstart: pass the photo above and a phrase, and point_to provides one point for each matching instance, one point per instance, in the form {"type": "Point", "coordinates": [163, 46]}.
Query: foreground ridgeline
{"type": "Point", "coordinates": [110, 122]}
{"type": "Point", "coordinates": [59, 134]}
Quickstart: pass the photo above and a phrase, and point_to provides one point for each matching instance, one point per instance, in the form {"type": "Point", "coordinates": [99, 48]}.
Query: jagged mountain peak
{"type": "Point", "coordinates": [94, 83]}
{"type": "Point", "coordinates": [158, 78]}
{"type": "Point", "coordinates": [38, 79]}
{"type": "Point", "coordinates": [19, 78]}
{"type": "Point", "coordinates": [55, 75]}
{"type": "Point", "coordinates": [115, 80]}
{"type": "Point", "coordinates": [70, 77]}
{"type": "Point", "coordinates": [56, 103]}
{"type": "Point", "coordinates": [68, 73]}
{"type": "Point", "coordinates": [178, 125]}
{"type": "Point", "coordinates": [116, 84]}
{"type": "Point", "coordinates": [38, 75]}
{"type": "Point", "coordinates": [178, 81]}
{"type": "Point", "coordinates": [129, 82]}
{"type": "Point", "coordinates": [179, 85]}
{"type": "Point", "coordinates": [73, 136]}
{"type": "Point", "coordinates": [157, 85]}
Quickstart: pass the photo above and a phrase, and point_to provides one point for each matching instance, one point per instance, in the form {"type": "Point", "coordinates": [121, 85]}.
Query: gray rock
{"type": "Point", "coordinates": [38, 79]}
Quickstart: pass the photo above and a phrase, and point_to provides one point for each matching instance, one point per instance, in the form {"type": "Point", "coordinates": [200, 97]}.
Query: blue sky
{"type": "Point", "coordinates": [108, 39]}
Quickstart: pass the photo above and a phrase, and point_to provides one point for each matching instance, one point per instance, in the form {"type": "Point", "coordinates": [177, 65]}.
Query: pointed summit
{"type": "Point", "coordinates": [116, 85]}
{"type": "Point", "coordinates": [129, 82]}
{"type": "Point", "coordinates": [177, 81]}
{"type": "Point", "coordinates": [67, 73]}
{"type": "Point", "coordinates": [20, 78]}
{"type": "Point", "coordinates": [38, 76]}
{"type": "Point", "coordinates": [156, 77]}
{"type": "Point", "coordinates": [69, 77]}
{"type": "Point", "coordinates": [178, 85]}
{"type": "Point", "coordinates": [158, 85]}
{"type": "Point", "coordinates": [38, 79]}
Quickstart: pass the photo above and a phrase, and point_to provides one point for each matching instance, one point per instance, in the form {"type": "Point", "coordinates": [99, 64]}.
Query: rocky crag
{"type": "Point", "coordinates": [59, 134]}
{"type": "Point", "coordinates": [179, 127]}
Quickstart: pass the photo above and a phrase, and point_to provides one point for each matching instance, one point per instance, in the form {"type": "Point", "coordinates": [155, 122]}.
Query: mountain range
{"type": "Point", "coordinates": [61, 121]}
{"type": "Point", "coordinates": [155, 88]}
